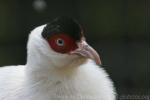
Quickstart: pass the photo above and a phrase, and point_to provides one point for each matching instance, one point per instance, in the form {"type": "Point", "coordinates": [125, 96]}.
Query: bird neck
{"type": "Point", "coordinates": [40, 69]}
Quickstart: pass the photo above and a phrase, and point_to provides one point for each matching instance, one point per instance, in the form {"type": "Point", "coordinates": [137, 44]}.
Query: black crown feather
{"type": "Point", "coordinates": [66, 25]}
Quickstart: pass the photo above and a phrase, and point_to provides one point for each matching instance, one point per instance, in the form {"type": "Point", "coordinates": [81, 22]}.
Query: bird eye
{"type": "Point", "coordinates": [60, 42]}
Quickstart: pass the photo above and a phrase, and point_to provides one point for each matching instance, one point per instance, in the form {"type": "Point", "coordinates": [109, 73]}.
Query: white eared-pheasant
{"type": "Point", "coordinates": [61, 65]}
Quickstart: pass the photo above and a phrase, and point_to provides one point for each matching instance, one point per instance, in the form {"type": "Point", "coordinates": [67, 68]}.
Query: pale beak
{"type": "Point", "coordinates": [87, 51]}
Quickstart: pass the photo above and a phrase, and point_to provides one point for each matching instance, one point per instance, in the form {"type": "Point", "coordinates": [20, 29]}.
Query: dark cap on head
{"type": "Point", "coordinates": [65, 25]}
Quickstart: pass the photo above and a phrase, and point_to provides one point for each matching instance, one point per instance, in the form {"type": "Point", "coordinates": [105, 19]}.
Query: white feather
{"type": "Point", "coordinates": [52, 76]}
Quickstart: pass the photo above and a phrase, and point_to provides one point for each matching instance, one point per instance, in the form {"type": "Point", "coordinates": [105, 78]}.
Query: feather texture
{"type": "Point", "coordinates": [52, 76]}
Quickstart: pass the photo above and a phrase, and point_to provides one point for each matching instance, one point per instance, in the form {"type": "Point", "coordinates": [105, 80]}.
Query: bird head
{"type": "Point", "coordinates": [59, 43]}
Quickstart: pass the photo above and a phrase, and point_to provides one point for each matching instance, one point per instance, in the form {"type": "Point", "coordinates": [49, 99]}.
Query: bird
{"type": "Point", "coordinates": [60, 65]}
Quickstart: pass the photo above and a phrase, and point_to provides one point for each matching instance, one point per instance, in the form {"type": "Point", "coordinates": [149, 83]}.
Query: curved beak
{"type": "Point", "coordinates": [87, 51]}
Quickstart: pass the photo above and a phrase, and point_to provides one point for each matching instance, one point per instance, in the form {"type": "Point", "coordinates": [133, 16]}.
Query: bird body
{"type": "Point", "coordinates": [87, 82]}
{"type": "Point", "coordinates": [51, 75]}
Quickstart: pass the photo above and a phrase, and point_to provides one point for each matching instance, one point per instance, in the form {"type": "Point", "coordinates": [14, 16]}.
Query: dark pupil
{"type": "Point", "coordinates": [60, 41]}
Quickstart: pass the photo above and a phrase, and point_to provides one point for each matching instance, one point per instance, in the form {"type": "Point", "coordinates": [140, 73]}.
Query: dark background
{"type": "Point", "coordinates": [118, 29]}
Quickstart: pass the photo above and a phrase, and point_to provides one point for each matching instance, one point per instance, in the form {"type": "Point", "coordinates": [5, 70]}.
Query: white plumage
{"type": "Point", "coordinates": [49, 75]}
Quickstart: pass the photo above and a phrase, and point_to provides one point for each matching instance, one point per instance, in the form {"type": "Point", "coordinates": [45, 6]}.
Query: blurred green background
{"type": "Point", "coordinates": [118, 29]}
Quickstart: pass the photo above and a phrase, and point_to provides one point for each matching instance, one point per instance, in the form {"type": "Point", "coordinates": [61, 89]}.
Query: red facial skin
{"type": "Point", "coordinates": [68, 45]}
